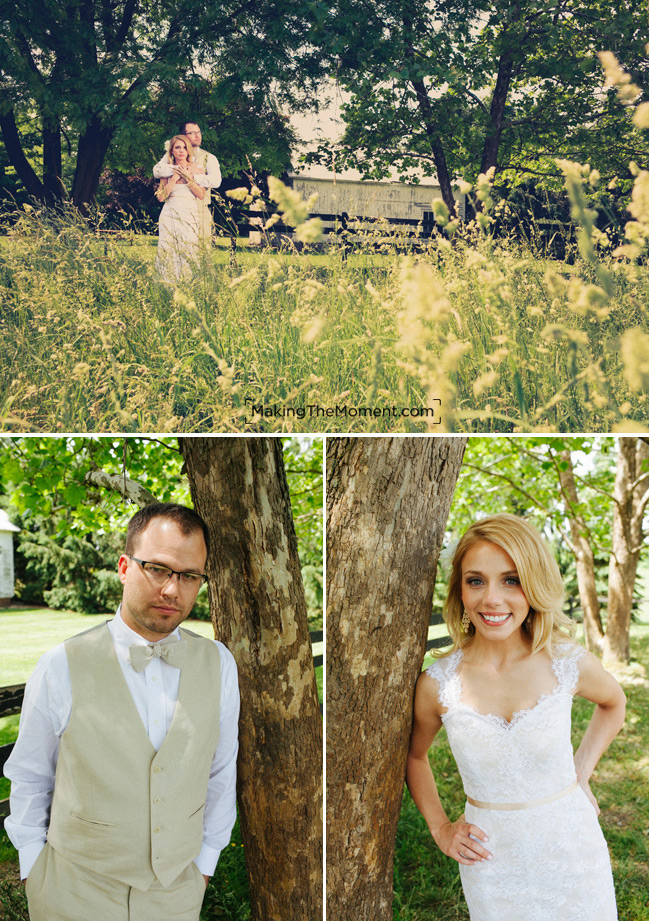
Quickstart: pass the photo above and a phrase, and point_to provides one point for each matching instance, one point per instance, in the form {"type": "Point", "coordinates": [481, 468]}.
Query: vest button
{"type": "Point", "coordinates": [156, 800]}
{"type": "Point", "coordinates": [157, 830]}
{"type": "Point", "coordinates": [156, 770]}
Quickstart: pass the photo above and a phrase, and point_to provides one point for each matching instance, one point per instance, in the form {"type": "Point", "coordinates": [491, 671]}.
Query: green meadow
{"type": "Point", "coordinates": [465, 332]}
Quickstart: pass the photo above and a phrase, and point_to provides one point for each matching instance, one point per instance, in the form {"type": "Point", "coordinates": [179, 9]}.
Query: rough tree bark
{"type": "Point", "coordinates": [387, 504]}
{"type": "Point", "coordinates": [631, 493]}
{"type": "Point", "coordinates": [585, 561]}
{"type": "Point", "coordinates": [257, 600]}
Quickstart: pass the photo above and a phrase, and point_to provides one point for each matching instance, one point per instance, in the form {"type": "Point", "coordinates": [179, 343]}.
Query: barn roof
{"type": "Point", "coordinates": [352, 175]}
{"type": "Point", "coordinates": [5, 524]}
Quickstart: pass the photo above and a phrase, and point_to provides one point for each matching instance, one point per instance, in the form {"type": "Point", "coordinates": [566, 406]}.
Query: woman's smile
{"type": "Point", "coordinates": [494, 619]}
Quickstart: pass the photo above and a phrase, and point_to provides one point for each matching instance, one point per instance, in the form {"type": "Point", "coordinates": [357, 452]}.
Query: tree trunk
{"type": "Point", "coordinates": [52, 166]}
{"type": "Point", "coordinates": [91, 153]}
{"type": "Point", "coordinates": [17, 158]}
{"type": "Point", "coordinates": [437, 149]}
{"type": "Point", "coordinates": [497, 113]}
{"type": "Point", "coordinates": [387, 504]}
{"type": "Point", "coordinates": [258, 608]}
{"type": "Point", "coordinates": [630, 499]}
{"type": "Point", "coordinates": [593, 631]}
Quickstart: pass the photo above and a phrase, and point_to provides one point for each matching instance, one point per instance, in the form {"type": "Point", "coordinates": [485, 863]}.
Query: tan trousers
{"type": "Point", "coordinates": [58, 890]}
{"type": "Point", "coordinates": [205, 222]}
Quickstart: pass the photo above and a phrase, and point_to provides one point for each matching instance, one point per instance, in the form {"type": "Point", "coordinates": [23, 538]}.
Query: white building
{"type": "Point", "coordinates": [392, 199]}
{"type": "Point", "coordinates": [7, 530]}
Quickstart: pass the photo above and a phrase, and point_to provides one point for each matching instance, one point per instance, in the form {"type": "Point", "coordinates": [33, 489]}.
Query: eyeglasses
{"type": "Point", "coordinates": [161, 574]}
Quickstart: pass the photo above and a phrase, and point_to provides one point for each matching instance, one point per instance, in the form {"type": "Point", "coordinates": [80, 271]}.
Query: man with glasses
{"type": "Point", "coordinates": [123, 775]}
{"type": "Point", "coordinates": [208, 177]}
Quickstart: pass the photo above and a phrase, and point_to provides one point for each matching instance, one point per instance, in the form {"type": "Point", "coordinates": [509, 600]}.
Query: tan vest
{"type": "Point", "coordinates": [119, 808]}
{"type": "Point", "coordinates": [205, 224]}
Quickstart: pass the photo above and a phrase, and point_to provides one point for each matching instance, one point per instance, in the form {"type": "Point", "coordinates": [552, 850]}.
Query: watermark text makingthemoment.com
{"type": "Point", "coordinates": [341, 411]}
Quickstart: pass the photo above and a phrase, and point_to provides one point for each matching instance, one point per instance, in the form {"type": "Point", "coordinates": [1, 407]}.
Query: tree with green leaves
{"type": "Point", "coordinates": [239, 486]}
{"type": "Point", "coordinates": [303, 460]}
{"type": "Point", "coordinates": [83, 72]}
{"type": "Point", "coordinates": [589, 496]}
{"type": "Point", "coordinates": [73, 497]}
{"type": "Point", "coordinates": [458, 89]}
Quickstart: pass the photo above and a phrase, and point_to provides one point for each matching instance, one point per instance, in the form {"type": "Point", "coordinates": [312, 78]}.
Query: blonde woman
{"type": "Point", "coordinates": [529, 843]}
{"type": "Point", "coordinates": [178, 227]}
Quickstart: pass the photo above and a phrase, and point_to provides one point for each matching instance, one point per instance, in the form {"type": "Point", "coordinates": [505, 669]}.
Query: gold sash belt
{"type": "Point", "coordinates": [534, 802]}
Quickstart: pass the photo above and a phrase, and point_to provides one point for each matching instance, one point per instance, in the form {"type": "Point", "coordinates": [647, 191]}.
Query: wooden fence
{"type": "Point", "coordinates": [11, 700]}
{"type": "Point", "coordinates": [439, 641]}
{"type": "Point", "coordinates": [241, 222]}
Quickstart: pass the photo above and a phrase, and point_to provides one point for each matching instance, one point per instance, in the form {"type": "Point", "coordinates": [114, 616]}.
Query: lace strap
{"type": "Point", "coordinates": [565, 664]}
{"type": "Point", "coordinates": [444, 672]}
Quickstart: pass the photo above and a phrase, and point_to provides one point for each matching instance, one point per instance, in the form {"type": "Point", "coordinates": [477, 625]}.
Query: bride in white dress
{"type": "Point", "coordinates": [178, 227]}
{"type": "Point", "coordinates": [529, 844]}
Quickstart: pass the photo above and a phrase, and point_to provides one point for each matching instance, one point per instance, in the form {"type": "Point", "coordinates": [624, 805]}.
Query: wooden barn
{"type": "Point", "coordinates": [392, 199]}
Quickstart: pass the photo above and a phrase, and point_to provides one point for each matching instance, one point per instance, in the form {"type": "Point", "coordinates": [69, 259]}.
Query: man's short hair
{"type": "Point", "coordinates": [186, 518]}
{"type": "Point", "coordinates": [190, 121]}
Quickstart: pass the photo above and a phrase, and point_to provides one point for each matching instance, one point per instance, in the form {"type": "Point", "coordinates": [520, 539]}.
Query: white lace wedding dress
{"type": "Point", "coordinates": [550, 861]}
{"type": "Point", "coordinates": [178, 235]}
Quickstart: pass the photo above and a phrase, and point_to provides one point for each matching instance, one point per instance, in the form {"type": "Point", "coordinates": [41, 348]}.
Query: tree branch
{"type": "Point", "coordinates": [25, 50]}
{"type": "Point", "coordinates": [126, 487]}
{"type": "Point", "coordinates": [125, 25]}
{"type": "Point", "coordinates": [523, 492]}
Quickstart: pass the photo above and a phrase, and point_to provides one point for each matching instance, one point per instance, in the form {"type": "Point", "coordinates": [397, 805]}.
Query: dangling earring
{"type": "Point", "coordinates": [464, 623]}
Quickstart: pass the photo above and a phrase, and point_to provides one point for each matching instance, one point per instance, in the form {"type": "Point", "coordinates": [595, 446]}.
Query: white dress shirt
{"type": "Point", "coordinates": [45, 715]}
{"type": "Point", "coordinates": [210, 179]}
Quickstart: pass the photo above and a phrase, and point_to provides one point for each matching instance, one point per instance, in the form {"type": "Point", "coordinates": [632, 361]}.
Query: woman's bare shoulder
{"type": "Point", "coordinates": [428, 691]}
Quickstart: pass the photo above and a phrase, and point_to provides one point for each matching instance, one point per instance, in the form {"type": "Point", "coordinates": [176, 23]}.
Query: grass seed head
{"type": "Point", "coordinates": [634, 350]}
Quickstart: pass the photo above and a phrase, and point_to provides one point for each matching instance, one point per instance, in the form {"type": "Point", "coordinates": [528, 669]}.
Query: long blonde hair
{"type": "Point", "coordinates": [538, 573]}
{"type": "Point", "coordinates": [187, 143]}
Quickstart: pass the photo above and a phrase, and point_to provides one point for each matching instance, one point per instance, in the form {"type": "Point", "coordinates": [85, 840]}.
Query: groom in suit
{"type": "Point", "coordinates": [209, 178]}
{"type": "Point", "coordinates": [123, 775]}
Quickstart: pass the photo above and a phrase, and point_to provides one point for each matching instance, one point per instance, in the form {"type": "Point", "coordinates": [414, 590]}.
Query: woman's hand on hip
{"type": "Point", "coordinates": [458, 840]}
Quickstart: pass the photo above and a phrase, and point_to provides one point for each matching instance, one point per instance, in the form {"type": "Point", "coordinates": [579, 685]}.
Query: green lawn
{"type": "Point", "coordinates": [427, 884]}
{"type": "Point", "coordinates": [25, 634]}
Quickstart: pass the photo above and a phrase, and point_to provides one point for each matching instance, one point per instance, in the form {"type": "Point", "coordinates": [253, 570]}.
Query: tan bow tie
{"type": "Point", "coordinates": [173, 653]}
